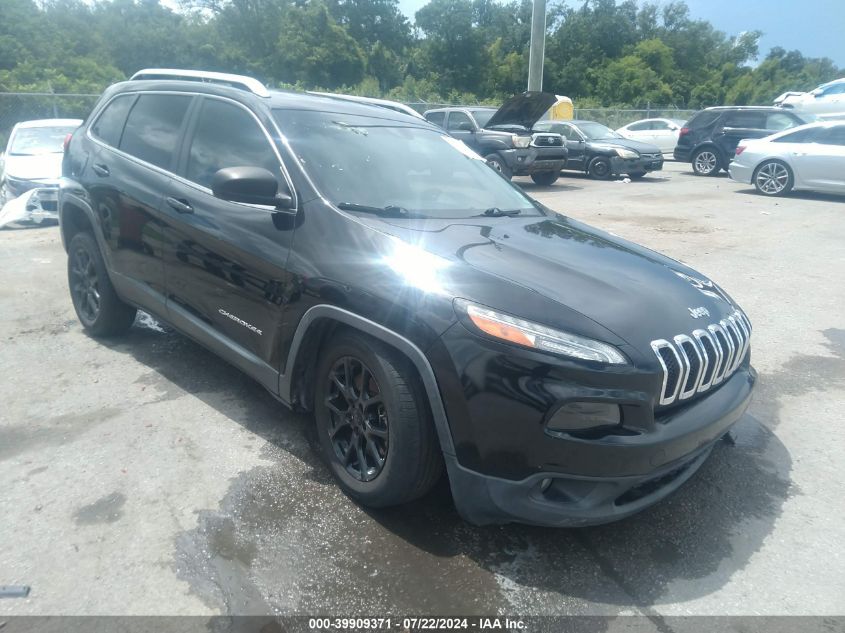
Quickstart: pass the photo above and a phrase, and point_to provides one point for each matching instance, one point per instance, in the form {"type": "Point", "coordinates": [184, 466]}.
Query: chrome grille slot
{"type": "Point", "coordinates": [695, 363]}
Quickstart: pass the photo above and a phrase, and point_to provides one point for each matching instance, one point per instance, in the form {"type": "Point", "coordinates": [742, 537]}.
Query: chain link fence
{"type": "Point", "coordinates": [27, 106]}
{"type": "Point", "coordinates": [23, 106]}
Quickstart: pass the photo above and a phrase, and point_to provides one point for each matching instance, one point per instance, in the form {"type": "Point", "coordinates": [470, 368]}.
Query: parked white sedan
{"type": "Point", "coordinates": [806, 157]}
{"type": "Point", "coordinates": [660, 132]}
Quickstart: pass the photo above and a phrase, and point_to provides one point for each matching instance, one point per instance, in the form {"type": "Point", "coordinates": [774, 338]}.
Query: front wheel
{"type": "Point", "coordinates": [599, 168]}
{"type": "Point", "coordinates": [773, 178]}
{"type": "Point", "coordinates": [97, 305]}
{"type": "Point", "coordinates": [496, 162]}
{"type": "Point", "coordinates": [705, 162]}
{"type": "Point", "coordinates": [545, 178]}
{"type": "Point", "coordinates": [373, 421]}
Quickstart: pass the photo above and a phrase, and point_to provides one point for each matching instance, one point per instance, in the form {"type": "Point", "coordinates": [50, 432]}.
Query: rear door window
{"type": "Point", "coordinates": [109, 125]}
{"type": "Point", "coordinates": [832, 136]}
{"type": "Point", "coordinates": [801, 136]}
{"type": "Point", "coordinates": [153, 127]}
{"type": "Point", "coordinates": [438, 118]}
{"type": "Point", "coordinates": [780, 121]}
{"type": "Point", "coordinates": [746, 120]}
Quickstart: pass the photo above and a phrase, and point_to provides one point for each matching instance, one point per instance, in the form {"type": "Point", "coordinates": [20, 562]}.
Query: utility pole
{"type": "Point", "coordinates": [537, 49]}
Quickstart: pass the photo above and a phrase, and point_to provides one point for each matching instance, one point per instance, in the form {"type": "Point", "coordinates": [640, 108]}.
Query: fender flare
{"type": "Point", "coordinates": [395, 340]}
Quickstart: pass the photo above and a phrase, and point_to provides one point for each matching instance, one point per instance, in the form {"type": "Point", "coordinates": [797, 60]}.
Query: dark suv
{"type": "Point", "coordinates": [710, 137]}
{"type": "Point", "coordinates": [364, 266]}
{"type": "Point", "coordinates": [504, 136]}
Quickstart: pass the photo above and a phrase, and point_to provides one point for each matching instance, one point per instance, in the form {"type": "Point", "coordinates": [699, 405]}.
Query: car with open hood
{"type": "Point", "coordinates": [602, 153]}
{"type": "Point", "coordinates": [826, 101]}
{"type": "Point", "coordinates": [430, 314]}
{"type": "Point", "coordinates": [504, 136]}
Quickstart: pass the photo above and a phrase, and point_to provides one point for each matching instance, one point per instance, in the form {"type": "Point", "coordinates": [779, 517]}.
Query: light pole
{"type": "Point", "coordinates": [537, 48]}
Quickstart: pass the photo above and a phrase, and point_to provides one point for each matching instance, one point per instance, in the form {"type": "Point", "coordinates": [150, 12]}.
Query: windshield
{"type": "Point", "coordinates": [597, 131]}
{"type": "Point", "coordinates": [482, 116]}
{"type": "Point", "coordinates": [30, 141]}
{"type": "Point", "coordinates": [365, 161]}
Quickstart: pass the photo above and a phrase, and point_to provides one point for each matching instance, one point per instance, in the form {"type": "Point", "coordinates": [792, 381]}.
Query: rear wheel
{"type": "Point", "coordinates": [97, 305]}
{"type": "Point", "coordinates": [495, 161]}
{"type": "Point", "coordinates": [599, 168]}
{"type": "Point", "coordinates": [373, 422]}
{"type": "Point", "coordinates": [545, 178]}
{"type": "Point", "coordinates": [705, 162]}
{"type": "Point", "coordinates": [773, 178]}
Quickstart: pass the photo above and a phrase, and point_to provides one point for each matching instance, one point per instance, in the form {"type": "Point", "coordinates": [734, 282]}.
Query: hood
{"type": "Point", "coordinates": [637, 146]}
{"type": "Point", "coordinates": [637, 294]}
{"type": "Point", "coordinates": [38, 167]}
{"type": "Point", "coordinates": [523, 110]}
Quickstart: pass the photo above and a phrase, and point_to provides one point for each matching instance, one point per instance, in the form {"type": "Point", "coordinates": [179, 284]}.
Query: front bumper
{"type": "Point", "coordinates": [550, 498]}
{"type": "Point", "coordinates": [635, 165]}
{"type": "Point", "coordinates": [532, 160]}
{"type": "Point", "coordinates": [35, 207]}
{"type": "Point", "coordinates": [740, 173]}
{"type": "Point", "coordinates": [501, 400]}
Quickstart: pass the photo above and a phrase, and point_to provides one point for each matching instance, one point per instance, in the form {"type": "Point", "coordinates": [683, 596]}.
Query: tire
{"type": "Point", "coordinates": [545, 178]}
{"type": "Point", "coordinates": [706, 162]}
{"type": "Point", "coordinates": [773, 178]}
{"type": "Point", "coordinates": [599, 168]}
{"type": "Point", "coordinates": [97, 306]}
{"type": "Point", "coordinates": [385, 453]}
{"type": "Point", "coordinates": [496, 162]}
{"type": "Point", "coordinates": [636, 175]}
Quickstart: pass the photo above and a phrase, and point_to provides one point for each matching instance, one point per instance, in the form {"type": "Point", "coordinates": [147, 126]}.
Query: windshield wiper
{"type": "Point", "coordinates": [388, 211]}
{"type": "Point", "coordinates": [496, 212]}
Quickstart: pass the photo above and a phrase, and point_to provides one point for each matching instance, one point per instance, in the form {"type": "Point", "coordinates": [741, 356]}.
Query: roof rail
{"type": "Point", "coordinates": [236, 81]}
{"type": "Point", "coordinates": [396, 106]}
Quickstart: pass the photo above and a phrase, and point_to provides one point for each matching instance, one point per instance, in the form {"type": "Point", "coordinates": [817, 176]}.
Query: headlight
{"type": "Point", "coordinates": [513, 330]}
{"type": "Point", "coordinates": [520, 141]}
{"type": "Point", "coordinates": [626, 153]}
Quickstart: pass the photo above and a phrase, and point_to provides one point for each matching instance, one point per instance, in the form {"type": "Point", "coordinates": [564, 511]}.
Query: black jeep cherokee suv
{"type": "Point", "coordinates": [504, 137]}
{"type": "Point", "coordinates": [710, 138]}
{"type": "Point", "coordinates": [361, 264]}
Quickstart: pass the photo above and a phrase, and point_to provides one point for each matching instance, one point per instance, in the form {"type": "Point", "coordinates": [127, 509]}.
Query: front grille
{"type": "Point", "coordinates": [547, 140]}
{"type": "Point", "coordinates": [652, 156]}
{"type": "Point", "coordinates": [692, 364]}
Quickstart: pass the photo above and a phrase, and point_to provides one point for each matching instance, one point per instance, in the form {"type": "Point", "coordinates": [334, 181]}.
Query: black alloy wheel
{"type": "Point", "coordinates": [359, 426]}
{"type": "Point", "coordinates": [94, 299]}
{"type": "Point", "coordinates": [85, 286]}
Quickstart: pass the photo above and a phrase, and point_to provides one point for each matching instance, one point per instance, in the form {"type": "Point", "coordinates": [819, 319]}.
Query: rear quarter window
{"type": "Point", "coordinates": [703, 119]}
{"type": "Point", "coordinates": [109, 125]}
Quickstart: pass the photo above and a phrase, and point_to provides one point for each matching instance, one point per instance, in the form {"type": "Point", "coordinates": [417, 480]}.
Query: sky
{"type": "Point", "coordinates": [814, 27]}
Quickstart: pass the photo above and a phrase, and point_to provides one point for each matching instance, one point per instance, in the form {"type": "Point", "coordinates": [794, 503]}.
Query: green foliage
{"type": "Point", "coordinates": [599, 52]}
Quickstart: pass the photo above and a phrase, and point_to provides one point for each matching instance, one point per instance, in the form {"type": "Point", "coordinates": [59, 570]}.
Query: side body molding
{"type": "Point", "coordinates": [391, 338]}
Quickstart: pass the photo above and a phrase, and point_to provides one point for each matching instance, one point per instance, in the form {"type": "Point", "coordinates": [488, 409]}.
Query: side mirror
{"type": "Point", "coordinates": [465, 126]}
{"type": "Point", "coordinates": [249, 185]}
{"type": "Point", "coordinates": [818, 92]}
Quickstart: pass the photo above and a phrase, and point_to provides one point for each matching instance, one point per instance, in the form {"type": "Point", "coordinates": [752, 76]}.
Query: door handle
{"type": "Point", "coordinates": [180, 206]}
{"type": "Point", "coordinates": [101, 170]}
